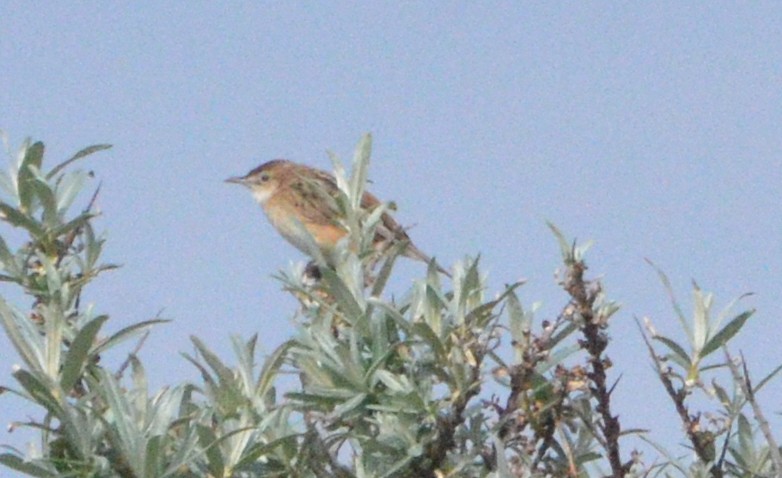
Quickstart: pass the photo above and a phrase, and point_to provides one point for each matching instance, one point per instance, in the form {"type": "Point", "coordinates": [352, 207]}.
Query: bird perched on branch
{"type": "Point", "coordinates": [294, 195]}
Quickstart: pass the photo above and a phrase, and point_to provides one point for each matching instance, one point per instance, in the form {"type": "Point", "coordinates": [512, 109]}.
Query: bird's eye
{"type": "Point", "coordinates": [264, 177]}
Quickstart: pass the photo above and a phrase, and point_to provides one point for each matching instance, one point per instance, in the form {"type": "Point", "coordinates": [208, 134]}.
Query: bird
{"type": "Point", "coordinates": [294, 195]}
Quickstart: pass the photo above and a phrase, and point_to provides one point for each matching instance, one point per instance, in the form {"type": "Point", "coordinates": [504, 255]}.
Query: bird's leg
{"type": "Point", "coordinates": [312, 273]}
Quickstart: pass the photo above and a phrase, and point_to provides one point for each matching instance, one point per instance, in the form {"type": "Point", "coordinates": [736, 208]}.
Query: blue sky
{"type": "Point", "coordinates": [653, 129]}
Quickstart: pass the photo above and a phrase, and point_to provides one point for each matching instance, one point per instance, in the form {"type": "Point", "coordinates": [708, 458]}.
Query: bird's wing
{"type": "Point", "coordinates": [314, 195]}
{"type": "Point", "coordinates": [317, 191]}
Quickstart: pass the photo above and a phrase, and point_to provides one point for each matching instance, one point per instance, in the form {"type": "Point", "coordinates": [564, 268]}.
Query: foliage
{"type": "Point", "coordinates": [445, 382]}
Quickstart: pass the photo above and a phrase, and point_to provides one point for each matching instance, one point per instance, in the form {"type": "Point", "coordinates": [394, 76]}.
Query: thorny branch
{"type": "Point", "coordinates": [749, 393]}
{"type": "Point", "coordinates": [437, 451]}
{"type": "Point", "coordinates": [521, 375]}
{"type": "Point", "coordinates": [530, 405]}
{"type": "Point", "coordinates": [584, 293]}
{"type": "Point", "coordinates": [702, 441]}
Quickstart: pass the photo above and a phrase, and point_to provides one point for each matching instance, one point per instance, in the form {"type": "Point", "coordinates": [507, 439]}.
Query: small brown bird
{"type": "Point", "coordinates": [293, 195]}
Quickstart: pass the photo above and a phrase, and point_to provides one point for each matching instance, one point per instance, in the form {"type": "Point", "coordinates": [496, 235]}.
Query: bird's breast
{"type": "Point", "coordinates": [299, 232]}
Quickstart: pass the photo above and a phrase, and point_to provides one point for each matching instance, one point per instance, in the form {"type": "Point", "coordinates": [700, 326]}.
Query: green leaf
{"type": "Point", "coordinates": [399, 385]}
{"type": "Point", "coordinates": [746, 443]}
{"type": "Point", "coordinates": [386, 268]}
{"type": "Point", "coordinates": [7, 184]}
{"type": "Point", "coordinates": [73, 224]}
{"type": "Point", "coordinates": [186, 450]}
{"type": "Point", "coordinates": [519, 322]}
{"type": "Point", "coordinates": [139, 379]}
{"type": "Point", "coordinates": [701, 317]}
{"type": "Point", "coordinates": [556, 357]}
{"type": "Point", "coordinates": [40, 392]}
{"type": "Point", "coordinates": [339, 173]}
{"type": "Point", "coordinates": [564, 333]}
{"type": "Point", "coordinates": [565, 248]}
{"type": "Point", "coordinates": [480, 315]}
{"type": "Point", "coordinates": [392, 313]}
{"type": "Point", "coordinates": [360, 169]}
{"type": "Point", "coordinates": [471, 286]}
{"type": "Point", "coordinates": [726, 310]}
{"type": "Point", "coordinates": [45, 195]}
{"type": "Point", "coordinates": [425, 332]}
{"type": "Point", "coordinates": [17, 218]}
{"type": "Point", "coordinates": [75, 360]}
{"type": "Point", "coordinates": [209, 442]}
{"type": "Point", "coordinates": [680, 356]}
{"type": "Point", "coordinates": [721, 394]}
{"type": "Point", "coordinates": [69, 188]}
{"type": "Point", "coordinates": [154, 456]}
{"type": "Point", "coordinates": [54, 279]}
{"type": "Point", "coordinates": [766, 379]}
{"type": "Point", "coordinates": [84, 152]}
{"type": "Point", "coordinates": [669, 289]}
{"type": "Point", "coordinates": [24, 335]}
{"type": "Point", "coordinates": [672, 460]}
{"type": "Point", "coordinates": [345, 410]}
{"type": "Point", "coordinates": [92, 245]}
{"type": "Point", "coordinates": [310, 246]}
{"type": "Point", "coordinates": [341, 292]}
{"type": "Point", "coordinates": [727, 332]}
{"type": "Point", "coordinates": [381, 357]}
{"type": "Point", "coordinates": [271, 367]}
{"type": "Point", "coordinates": [431, 307]}
{"type": "Point", "coordinates": [257, 450]}
{"type": "Point", "coordinates": [225, 374]}
{"type": "Point", "coordinates": [503, 467]}
{"type": "Point", "coordinates": [123, 419]}
{"type": "Point", "coordinates": [33, 157]}
{"type": "Point", "coordinates": [207, 377]}
{"type": "Point", "coordinates": [126, 333]}
{"type": "Point", "coordinates": [396, 469]}
{"type": "Point", "coordinates": [32, 469]}
{"type": "Point", "coordinates": [8, 260]}
{"type": "Point", "coordinates": [245, 353]}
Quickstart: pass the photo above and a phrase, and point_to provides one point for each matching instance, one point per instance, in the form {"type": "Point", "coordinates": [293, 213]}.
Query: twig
{"type": "Point", "coordinates": [68, 242]}
{"type": "Point", "coordinates": [521, 374]}
{"type": "Point", "coordinates": [691, 424]}
{"type": "Point", "coordinates": [595, 344]}
{"type": "Point", "coordinates": [437, 451]}
{"type": "Point", "coordinates": [321, 459]}
{"type": "Point", "coordinates": [749, 394]}
{"type": "Point", "coordinates": [134, 353]}
{"type": "Point", "coordinates": [568, 451]}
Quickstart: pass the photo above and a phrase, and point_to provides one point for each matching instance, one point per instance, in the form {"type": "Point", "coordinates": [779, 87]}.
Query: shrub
{"type": "Point", "coordinates": [445, 382]}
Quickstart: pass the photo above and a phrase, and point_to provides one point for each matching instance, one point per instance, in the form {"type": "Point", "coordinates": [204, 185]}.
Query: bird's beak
{"type": "Point", "coordinates": [236, 180]}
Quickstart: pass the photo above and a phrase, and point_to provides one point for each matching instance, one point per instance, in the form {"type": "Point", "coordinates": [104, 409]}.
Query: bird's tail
{"type": "Point", "coordinates": [415, 253]}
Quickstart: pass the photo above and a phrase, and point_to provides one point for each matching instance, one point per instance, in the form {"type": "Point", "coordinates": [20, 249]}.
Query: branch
{"type": "Point", "coordinates": [437, 451]}
{"type": "Point", "coordinates": [701, 444]}
{"type": "Point", "coordinates": [595, 344]}
{"type": "Point", "coordinates": [749, 393]}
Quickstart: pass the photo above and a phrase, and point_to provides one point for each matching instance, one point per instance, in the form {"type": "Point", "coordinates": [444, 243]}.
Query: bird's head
{"type": "Point", "coordinates": [264, 180]}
